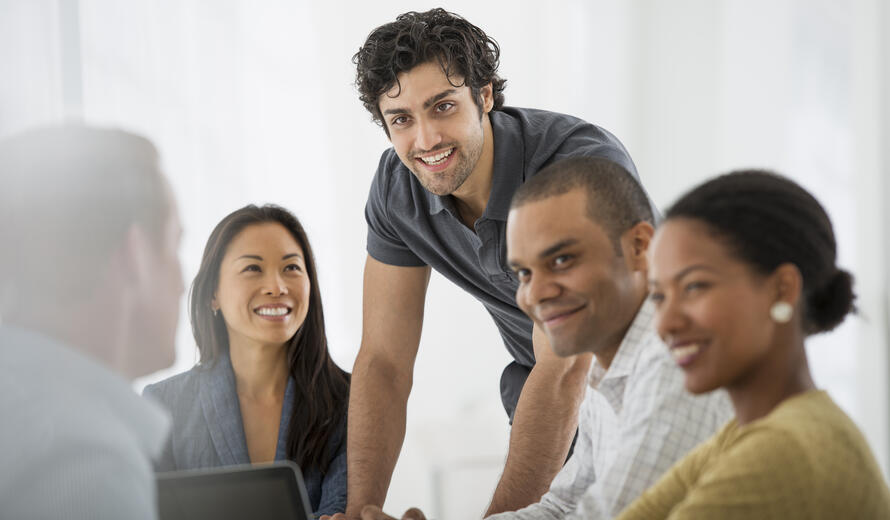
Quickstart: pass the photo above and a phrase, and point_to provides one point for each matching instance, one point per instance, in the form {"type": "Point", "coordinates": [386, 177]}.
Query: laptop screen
{"type": "Point", "coordinates": [274, 492]}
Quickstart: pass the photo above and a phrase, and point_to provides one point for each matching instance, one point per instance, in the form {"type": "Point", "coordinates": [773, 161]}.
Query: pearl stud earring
{"type": "Point", "coordinates": [781, 312]}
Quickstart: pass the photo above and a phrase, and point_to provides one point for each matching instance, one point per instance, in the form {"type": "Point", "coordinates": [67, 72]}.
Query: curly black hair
{"type": "Point", "coordinates": [462, 49]}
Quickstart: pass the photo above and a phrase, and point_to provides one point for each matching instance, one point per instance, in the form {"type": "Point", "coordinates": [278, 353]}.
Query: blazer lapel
{"type": "Point", "coordinates": [287, 408]}
{"type": "Point", "coordinates": [219, 402]}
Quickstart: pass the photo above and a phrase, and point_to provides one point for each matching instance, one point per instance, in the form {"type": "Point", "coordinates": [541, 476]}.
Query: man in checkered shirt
{"type": "Point", "coordinates": [577, 237]}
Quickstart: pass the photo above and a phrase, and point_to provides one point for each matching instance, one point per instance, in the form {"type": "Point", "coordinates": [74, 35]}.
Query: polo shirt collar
{"type": "Point", "coordinates": [508, 169]}
{"type": "Point", "coordinates": [439, 204]}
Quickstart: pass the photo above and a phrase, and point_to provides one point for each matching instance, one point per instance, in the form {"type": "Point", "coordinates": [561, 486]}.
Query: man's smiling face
{"type": "Point", "coordinates": [572, 282]}
{"type": "Point", "coordinates": [435, 127]}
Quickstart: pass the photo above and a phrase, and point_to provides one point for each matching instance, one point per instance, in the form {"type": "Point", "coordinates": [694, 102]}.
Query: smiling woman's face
{"type": "Point", "coordinates": [263, 290]}
{"type": "Point", "coordinates": [712, 310]}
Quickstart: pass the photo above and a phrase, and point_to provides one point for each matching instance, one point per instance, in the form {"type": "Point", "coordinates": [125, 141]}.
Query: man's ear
{"type": "Point", "coordinates": [135, 256]}
{"type": "Point", "coordinates": [487, 94]}
{"type": "Point", "coordinates": [635, 244]}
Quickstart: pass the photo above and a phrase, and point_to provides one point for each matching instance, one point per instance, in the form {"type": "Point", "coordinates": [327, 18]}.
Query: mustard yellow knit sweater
{"type": "Point", "coordinates": [805, 460]}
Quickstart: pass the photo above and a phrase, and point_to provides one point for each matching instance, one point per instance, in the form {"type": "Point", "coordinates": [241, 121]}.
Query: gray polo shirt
{"type": "Point", "coordinates": [409, 226]}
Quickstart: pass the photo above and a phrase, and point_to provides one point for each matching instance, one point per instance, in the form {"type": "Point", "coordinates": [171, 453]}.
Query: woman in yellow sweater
{"type": "Point", "coordinates": [743, 270]}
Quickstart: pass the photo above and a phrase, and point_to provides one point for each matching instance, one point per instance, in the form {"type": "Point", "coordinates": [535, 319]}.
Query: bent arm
{"type": "Point", "coordinates": [381, 378]}
{"type": "Point", "coordinates": [543, 425]}
{"type": "Point", "coordinates": [569, 484]}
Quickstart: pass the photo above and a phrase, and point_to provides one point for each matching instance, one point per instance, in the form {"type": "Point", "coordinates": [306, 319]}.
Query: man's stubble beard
{"type": "Point", "coordinates": [464, 165]}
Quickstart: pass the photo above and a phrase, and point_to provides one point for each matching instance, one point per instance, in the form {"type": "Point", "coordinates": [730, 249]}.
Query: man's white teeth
{"type": "Point", "coordinates": [685, 351]}
{"type": "Point", "coordinates": [272, 311]}
{"type": "Point", "coordinates": [439, 158]}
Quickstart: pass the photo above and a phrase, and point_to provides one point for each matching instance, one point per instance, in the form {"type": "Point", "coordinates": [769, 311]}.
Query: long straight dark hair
{"type": "Point", "coordinates": [322, 388]}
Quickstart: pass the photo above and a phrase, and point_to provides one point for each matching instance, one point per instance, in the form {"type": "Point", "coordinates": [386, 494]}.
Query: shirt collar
{"type": "Point", "coordinates": [637, 336]}
{"type": "Point", "coordinates": [508, 169]}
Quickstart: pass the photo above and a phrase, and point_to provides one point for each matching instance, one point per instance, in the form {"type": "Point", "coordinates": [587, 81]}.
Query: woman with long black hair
{"type": "Point", "coordinates": [266, 387]}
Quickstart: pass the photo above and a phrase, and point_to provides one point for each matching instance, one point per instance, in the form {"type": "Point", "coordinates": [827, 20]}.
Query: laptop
{"type": "Point", "coordinates": [273, 491]}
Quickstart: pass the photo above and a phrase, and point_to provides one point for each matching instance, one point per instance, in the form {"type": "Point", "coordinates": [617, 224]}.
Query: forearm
{"type": "Point", "coordinates": [377, 411]}
{"type": "Point", "coordinates": [537, 511]}
{"type": "Point", "coordinates": [543, 426]}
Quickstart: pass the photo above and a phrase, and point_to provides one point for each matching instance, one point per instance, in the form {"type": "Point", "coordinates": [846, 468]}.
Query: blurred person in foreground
{"type": "Point", "coordinates": [439, 200]}
{"type": "Point", "coordinates": [577, 237]}
{"type": "Point", "coordinates": [90, 293]}
{"type": "Point", "coordinates": [743, 270]}
{"type": "Point", "coordinates": [266, 387]}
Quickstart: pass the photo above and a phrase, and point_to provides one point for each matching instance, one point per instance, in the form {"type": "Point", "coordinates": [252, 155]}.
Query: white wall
{"type": "Point", "coordinates": [253, 102]}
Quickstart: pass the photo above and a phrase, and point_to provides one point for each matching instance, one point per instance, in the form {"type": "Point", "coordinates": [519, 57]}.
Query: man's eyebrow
{"type": "Point", "coordinates": [431, 101]}
{"type": "Point", "coordinates": [426, 104]}
{"type": "Point", "coordinates": [397, 110]}
{"type": "Point", "coordinates": [513, 264]}
{"type": "Point", "coordinates": [562, 244]}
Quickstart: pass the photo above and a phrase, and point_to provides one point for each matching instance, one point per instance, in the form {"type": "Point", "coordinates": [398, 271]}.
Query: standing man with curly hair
{"type": "Point", "coordinates": [440, 199]}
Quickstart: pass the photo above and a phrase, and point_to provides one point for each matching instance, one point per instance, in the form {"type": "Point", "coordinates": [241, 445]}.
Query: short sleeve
{"type": "Point", "coordinates": [384, 242]}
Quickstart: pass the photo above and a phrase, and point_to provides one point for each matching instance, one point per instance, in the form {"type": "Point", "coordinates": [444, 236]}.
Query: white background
{"type": "Point", "coordinates": [252, 102]}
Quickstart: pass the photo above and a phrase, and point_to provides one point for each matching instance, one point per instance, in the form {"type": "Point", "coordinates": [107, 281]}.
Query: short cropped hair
{"type": "Point", "coordinates": [461, 49]}
{"type": "Point", "coordinates": [615, 200]}
{"type": "Point", "coordinates": [69, 195]}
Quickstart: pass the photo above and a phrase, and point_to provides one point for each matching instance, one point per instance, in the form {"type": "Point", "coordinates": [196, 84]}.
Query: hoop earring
{"type": "Point", "coordinates": [781, 312]}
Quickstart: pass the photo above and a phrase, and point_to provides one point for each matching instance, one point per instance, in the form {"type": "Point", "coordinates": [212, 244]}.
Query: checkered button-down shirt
{"type": "Point", "coordinates": [635, 422]}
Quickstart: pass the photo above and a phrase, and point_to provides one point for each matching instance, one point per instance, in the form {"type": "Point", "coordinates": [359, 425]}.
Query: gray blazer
{"type": "Point", "coordinates": [207, 431]}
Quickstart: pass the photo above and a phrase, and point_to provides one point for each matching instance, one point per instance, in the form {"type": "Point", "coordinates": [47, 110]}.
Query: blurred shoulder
{"type": "Point", "coordinates": [171, 390]}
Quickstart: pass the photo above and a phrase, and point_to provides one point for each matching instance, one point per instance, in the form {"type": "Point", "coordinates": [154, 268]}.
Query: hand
{"type": "Point", "coordinates": [374, 513]}
{"type": "Point", "coordinates": [338, 516]}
